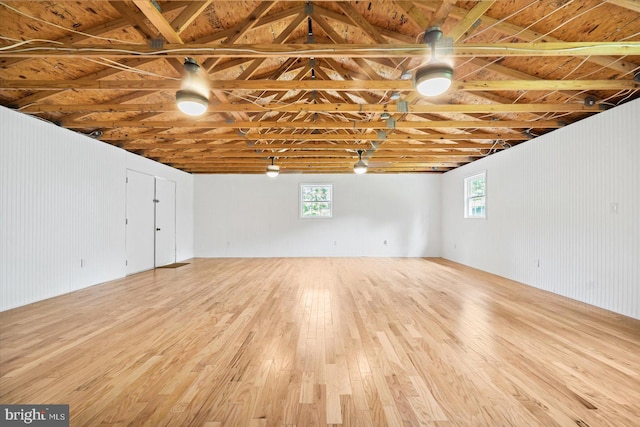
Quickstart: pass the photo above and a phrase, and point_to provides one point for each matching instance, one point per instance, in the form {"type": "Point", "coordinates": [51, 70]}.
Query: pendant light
{"type": "Point", "coordinates": [434, 78]}
{"type": "Point", "coordinates": [192, 99]}
{"type": "Point", "coordinates": [272, 170]}
{"type": "Point", "coordinates": [360, 167]}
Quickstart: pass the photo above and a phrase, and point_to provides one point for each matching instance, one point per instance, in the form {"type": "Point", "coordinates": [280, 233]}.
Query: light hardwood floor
{"type": "Point", "coordinates": [359, 341]}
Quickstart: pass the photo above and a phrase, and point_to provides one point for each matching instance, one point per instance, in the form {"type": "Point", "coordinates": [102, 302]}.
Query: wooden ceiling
{"type": "Point", "coordinates": [311, 83]}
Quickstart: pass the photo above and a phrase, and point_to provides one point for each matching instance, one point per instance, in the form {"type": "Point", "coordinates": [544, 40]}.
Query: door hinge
{"type": "Point", "coordinates": [127, 180]}
{"type": "Point", "coordinates": [126, 262]}
{"type": "Point", "coordinates": [156, 201]}
{"type": "Point", "coordinates": [126, 221]}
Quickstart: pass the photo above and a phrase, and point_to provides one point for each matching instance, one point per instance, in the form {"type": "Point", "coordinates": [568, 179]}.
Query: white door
{"type": "Point", "coordinates": [165, 229]}
{"type": "Point", "coordinates": [139, 223]}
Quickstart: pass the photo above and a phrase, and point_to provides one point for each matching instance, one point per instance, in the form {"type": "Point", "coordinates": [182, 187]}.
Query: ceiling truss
{"type": "Point", "coordinates": [311, 83]}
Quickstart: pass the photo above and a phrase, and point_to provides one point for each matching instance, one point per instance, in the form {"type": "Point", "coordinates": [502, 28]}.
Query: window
{"type": "Point", "coordinates": [316, 200]}
{"type": "Point", "coordinates": [475, 196]}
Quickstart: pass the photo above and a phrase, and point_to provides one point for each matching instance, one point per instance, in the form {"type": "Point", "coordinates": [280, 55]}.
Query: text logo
{"type": "Point", "coordinates": [34, 415]}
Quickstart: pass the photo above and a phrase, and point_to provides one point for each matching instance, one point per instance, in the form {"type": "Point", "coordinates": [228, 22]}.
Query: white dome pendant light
{"type": "Point", "coordinates": [192, 99]}
{"type": "Point", "coordinates": [434, 78]}
{"type": "Point", "coordinates": [360, 167]}
{"type": "Point", "coordinates": [272, 170]}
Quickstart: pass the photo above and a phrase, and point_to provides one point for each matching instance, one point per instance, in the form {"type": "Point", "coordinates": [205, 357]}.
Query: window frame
{"type": "Point", "coordinates": [467, 197]}
{"type": "Point", "coordinates": [302, 202]}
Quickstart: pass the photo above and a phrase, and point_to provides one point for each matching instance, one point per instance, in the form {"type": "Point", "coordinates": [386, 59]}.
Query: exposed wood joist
{"type": "Point", "coordinates": [349, 137]}
{"type": "Point", "coordinates": [552, 49]}
{"type": "Point", "coordinates": [189, 14]}
{"type": "Point", "coordinates": [149, 9]}
{"type": "Point", "coordinates": [331, 107]}
{"type": "Point", "coordinates": [334, 85]}
{"type": "Point", "coordinates": [265, 124]}
{"type": "Point", "coordinates": [280, 87]}
{"type": "Point", "coordinates": [432, 148]}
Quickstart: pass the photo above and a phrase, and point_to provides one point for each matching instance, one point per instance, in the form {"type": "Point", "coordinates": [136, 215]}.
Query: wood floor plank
{"type": "Point", "coordinates": [322, 341]}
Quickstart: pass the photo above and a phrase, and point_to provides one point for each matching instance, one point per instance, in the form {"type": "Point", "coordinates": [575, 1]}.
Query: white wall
{"type": "Point", "coordinates": [257, 216]}
{"type": "Point", "coordinates": [549, 218]}
{"type": "Point", "coordinates": [62, 209]}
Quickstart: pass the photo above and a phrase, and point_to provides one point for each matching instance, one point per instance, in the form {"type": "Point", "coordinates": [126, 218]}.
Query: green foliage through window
{"type": "Point", "coordinates": [475, 196]}
{"type": "Point", "coordinates": [316, 200]}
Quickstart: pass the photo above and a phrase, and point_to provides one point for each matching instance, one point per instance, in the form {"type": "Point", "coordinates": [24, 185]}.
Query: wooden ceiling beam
{"type": "Point", "coordinates": [627, 4]}
{"type": "Point", "coordinates": [240, 147]}
{"type": "Point", "coordinates": [467, 21]}
{"type": "Point", "coordinates": [361, 22]}
{"type": "Point", "coordinates": [129, 17]}
{"type": "Point", "coordinates": [284, 160]}
{"type": "Point", "coordinates": [423, 124]}
{"type": "Point", "coordinates": [467, 50]}
{"type": "Point", "coordinates": [97, 30]}
{"type": "Point", "coordinates": [282, 37]}
{"type": "Point", "coordinates": [518, 75]}
{"type": "Point", "coordinates": [188, 15]}
{"type": "Point", "coordinates": [241, 29]}
{"type": "Point", "coordinates": [329, 169]}
{"type": "Point", "coordinates": [337, 39]}
{"type": "Point", "coordinates": [434, 148]}
{"type": "Point", "coordinates": [339, 17]}
{"type": "Point", "coordinates": [136, 18]}
{"type": "Point", "coordinates": [340, 137]}
{"type": "Point", "coordinates": [280, 95]}
{"type": "Point", "coordinates": [334, 85]}
{"type": "Point", "coordinates": [441, 13]}
{"type": "Point", "coordinates": [266, 20]}
{"type": "Point", "coordinates": [415, 16]}
{"type": "Point", "coordinates": [148, 8]}
{"type": "Point", "coordinates": [104, 73]}
{"type": "Point", "coordinates": [346, 153]}
{"type": "Point", "coordinates": [506, 28]}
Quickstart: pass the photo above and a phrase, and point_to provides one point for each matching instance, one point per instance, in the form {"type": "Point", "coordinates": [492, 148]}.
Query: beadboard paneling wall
{"type": "Point", "coordinates": [62, 209]}
{"type": "Point", "coordinates": [563, 212]}
{"type": "Point", "coordinates": [257, 216]}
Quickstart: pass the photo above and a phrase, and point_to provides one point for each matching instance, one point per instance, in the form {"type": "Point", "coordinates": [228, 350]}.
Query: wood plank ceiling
{"type": "Point", "coordinates": [311, 83]}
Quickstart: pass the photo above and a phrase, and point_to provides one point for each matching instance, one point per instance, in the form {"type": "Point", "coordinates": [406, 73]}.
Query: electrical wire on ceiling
{"type": "Point", "coordinates": [576, 68]}
{"type": "Point", "coordinates": [490, 151]}
{"type": "Point", "coordinates": [628, 95]}
{"type": "Point", "coordinates": [512, 36]}
{"type": "Point", "coordinates": [213, 50]}
{"type": "Point", "coordinates": [618, 59]}
{"type": "Point", "coordinates": [21, 42]}
{"type": "Point", "coordinates": [631, 36]}
{"type": "Point", "coordinates": [64, 28]}
{"type": "Point", "coordinates": [122, 67]}
{"type": "Point", "coordinates": [575, 95]}
{"type": "Point", "coordinates": [500, 21]}
{"type": "Point", "coordinates": [570, 20]}
{"type": "Point", "coordinates": [476, 70]}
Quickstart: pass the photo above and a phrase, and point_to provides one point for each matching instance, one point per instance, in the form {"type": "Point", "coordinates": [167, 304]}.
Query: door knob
{"type": "Point", "coordinates": [157, 229]}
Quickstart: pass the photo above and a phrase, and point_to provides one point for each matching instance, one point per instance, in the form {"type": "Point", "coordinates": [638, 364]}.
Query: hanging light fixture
{"type": "Point", "coordinates": [192, 99]}
{"type": "Point", "coordinates": [434, 78]}
{"type": "Point", "coordinates": [272, 170]}
{"type": "Point", "coordinates": [360, 167]}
